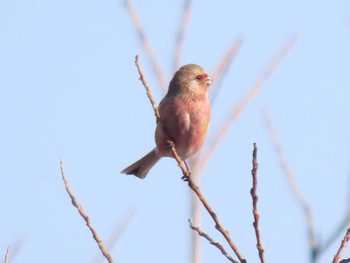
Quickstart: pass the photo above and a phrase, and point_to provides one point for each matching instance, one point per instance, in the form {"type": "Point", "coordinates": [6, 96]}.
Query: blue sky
{"type": "Point", "coordinates": [70, 90]}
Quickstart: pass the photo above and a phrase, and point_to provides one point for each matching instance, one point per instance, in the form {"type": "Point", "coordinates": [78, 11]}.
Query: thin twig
{"type": "Point", "coordinates": [220, 72]}
{"type": "Point", "coordinates": [7, 255]}
{"type": "Point", "coordinates": [80, 209]}
{"type": "Point", "coordinates": [218, 224]}
{"type": "Point", "coordinates": [186, 172]}
{"type": "Point", "coordinates": [119, 229]}
{"type": "Point", "coordinates": [186, 11]}
{"type": "Point", "coordinates": [146, 44]}
{"type": "Point", "coordinates": [255, 205]}
{"type": "Point", "coordinates": [116, 234]}
{"type": "Point", "coordinates": [313, 244]}
{"type": "Point", "coordinates": [211, 212]}
{"type": "Point", "coordinates": [237, 109]}
{"type": "Point", "coordinates": [336, 233]}
{"type": "Point", "coordinates": [148, 91]}
{"type": "Point", "coordinates": [342, 246]}
{"type": "Point", "coordinates": [211, 241]}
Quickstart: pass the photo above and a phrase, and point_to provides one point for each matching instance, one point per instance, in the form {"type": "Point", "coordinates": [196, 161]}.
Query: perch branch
{"type": "Point", "coordinates": [148, 91]}
{"type": "Point", "coordinates": [211, 212]}
{"type": "Point", "coordinates": [80, 209]}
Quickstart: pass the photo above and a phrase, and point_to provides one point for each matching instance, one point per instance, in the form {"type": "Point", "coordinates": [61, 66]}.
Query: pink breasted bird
{"type": "Point", "coordinates": [184, 118]}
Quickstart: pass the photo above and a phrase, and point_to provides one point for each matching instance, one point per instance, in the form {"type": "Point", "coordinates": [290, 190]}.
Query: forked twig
{"type": "Point", "coordinates": [211, 212]}
{"type": "Point", "coordinates": [255, 205]}
{"type": "Point", "coordinates": [342, 247]}
{"type": "Point", "coordinates": [211, 241]}
{"type": "Point", "coordinates": [80, 209]}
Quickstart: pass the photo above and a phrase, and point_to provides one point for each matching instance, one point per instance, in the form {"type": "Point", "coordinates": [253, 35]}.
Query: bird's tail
{"type": "Point", "coordinates": [141, 167]}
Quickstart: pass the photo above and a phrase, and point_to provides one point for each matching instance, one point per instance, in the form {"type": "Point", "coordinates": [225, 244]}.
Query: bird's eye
{"type": "Point", "coordinates": [199, 77]}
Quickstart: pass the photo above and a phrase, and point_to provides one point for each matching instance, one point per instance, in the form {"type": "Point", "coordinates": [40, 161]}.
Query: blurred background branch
{"type": "Point", "coordinates": [316, 246]}
{"type": "Point", "coordinates": [146, 45]}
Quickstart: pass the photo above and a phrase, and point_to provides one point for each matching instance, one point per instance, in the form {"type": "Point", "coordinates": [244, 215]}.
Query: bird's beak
{"type": "Point", "coordinates": [209, 81]}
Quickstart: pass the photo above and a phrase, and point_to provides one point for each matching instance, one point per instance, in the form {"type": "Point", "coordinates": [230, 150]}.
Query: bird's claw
{"type": "Point", "coordinates": [185, 178]}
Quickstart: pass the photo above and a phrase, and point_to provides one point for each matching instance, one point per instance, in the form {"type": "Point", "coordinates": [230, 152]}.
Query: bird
{"type": "Point", "coordinates": [184, 115]}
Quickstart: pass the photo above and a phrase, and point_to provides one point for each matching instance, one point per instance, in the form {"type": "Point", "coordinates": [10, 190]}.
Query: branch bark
{"type": "Point", "coordinates": [80, 209]}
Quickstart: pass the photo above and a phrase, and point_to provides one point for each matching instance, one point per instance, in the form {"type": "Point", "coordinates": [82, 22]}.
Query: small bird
{"type": "Point", "coordinates": [184, 118]}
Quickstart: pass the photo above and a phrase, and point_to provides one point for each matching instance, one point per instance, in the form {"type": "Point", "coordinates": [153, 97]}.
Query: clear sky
{"type": "Point", "coordinates": [69, 89]}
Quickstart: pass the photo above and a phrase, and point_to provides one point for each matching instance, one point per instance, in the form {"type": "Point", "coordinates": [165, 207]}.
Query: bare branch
{"type": "Point", "coordinates": [313, 244]}
{"type": "Point", "coordinates": [116, 234]}
{"type": "Point", "coordinates": [80, 209]}
{"type": "Point", "coordinates": [146, 44]}
{"type": "Point", "coordinates": [211, 212]}
{"type": "Point", "coordinates": [316, 248]}
{"type": "Point", "coordinates": [186, 11]}
{"type": "Point", "coordinates": [237, 109]}
{"type": "Point", "coordinates": [342, 247]}
{"type": "Point", "coordinates": [218, 224]}
{"type": "Point", "coordinates": [148, 91]}
{"type": "Point", "coordinates": [211, 241]}
{"type": "Point", "coordinates": [255, 205]}
{"type": "Point", "coordinates": [7, 254]}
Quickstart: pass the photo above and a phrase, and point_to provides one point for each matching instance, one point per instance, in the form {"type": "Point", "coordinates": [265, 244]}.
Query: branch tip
{"type": "Point", "coordinates": [255, 199]}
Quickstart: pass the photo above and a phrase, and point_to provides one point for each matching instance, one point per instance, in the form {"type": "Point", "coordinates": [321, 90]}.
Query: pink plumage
{"type": "Point", "coordinates": [184, 118]}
